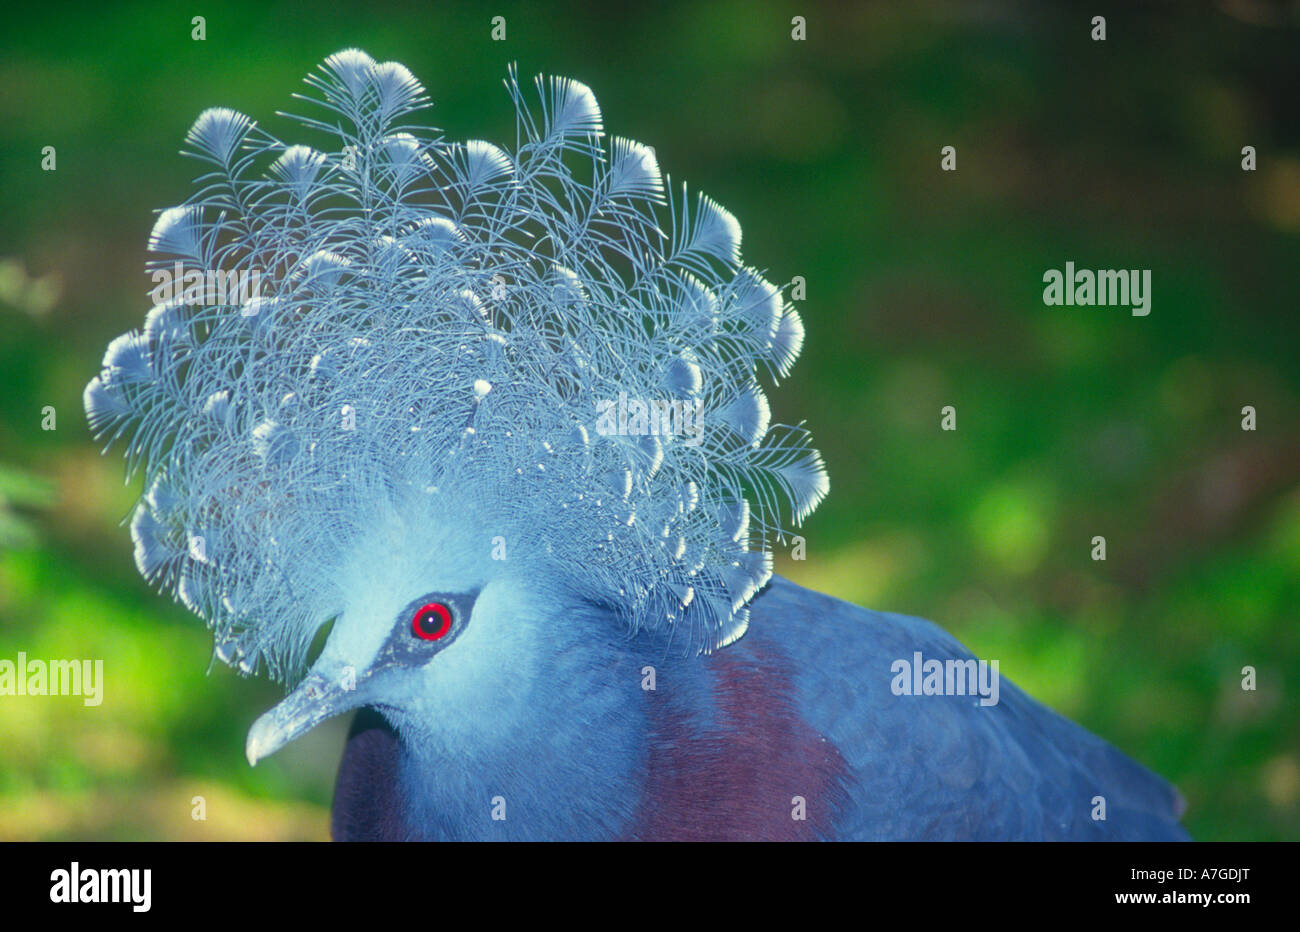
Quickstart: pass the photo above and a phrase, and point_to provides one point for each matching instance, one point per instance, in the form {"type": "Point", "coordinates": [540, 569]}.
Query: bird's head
{"type": "Point", "coordinates": [432, 635]}
{"type": "Point", "coordinates": [398, 668]}
{"type": "Point", "coordinates": [474, 389]}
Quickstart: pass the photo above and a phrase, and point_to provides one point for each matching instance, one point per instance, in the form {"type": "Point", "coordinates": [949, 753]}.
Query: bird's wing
{"type": "Point", "coordinates": [945, 766]}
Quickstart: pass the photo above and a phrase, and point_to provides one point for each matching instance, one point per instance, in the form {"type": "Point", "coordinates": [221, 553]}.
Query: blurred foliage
{"type": "Point", "coordinates": [923, 289]}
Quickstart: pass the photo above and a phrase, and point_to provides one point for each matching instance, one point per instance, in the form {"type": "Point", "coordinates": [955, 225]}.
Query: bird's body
{"type": "Point", "coordinates": [793, 733]}
{"type": "Point", "coordinates": [495, 416]}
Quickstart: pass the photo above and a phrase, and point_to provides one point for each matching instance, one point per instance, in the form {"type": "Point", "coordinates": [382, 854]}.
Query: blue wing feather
{"type": "Point", "coordinates": [943, 767]}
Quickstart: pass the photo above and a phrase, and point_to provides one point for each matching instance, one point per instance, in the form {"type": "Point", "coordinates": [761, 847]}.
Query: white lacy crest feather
{"type": "Point", "coordinates": [440, 321]}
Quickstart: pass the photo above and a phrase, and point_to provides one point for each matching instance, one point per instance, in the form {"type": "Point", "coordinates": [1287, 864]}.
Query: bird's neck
{"type": "Point", "coordinates": [577, 720]}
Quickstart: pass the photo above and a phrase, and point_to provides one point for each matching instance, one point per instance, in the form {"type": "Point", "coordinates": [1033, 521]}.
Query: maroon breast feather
{"type": "Point", "coordinates": [742, 776]}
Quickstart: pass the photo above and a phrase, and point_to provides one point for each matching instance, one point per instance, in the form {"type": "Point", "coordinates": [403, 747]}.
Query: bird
{"type": "Point", "coordinates": [491, 421]}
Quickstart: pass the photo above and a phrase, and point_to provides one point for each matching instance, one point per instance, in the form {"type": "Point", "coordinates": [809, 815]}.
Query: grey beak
{"type": "Point", "coordinates": [316, 699]}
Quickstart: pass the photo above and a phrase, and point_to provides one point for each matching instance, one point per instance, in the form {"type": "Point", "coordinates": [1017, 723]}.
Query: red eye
{"type": "Point", "coordinates": [431, 621]}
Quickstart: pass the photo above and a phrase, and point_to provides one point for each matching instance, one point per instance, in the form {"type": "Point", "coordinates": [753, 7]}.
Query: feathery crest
{"type": "Point", "coordinates": [458, 329]}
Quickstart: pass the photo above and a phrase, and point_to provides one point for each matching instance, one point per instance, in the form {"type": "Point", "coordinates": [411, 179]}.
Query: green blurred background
{"type": "Point", "coordinates": [923, 289]}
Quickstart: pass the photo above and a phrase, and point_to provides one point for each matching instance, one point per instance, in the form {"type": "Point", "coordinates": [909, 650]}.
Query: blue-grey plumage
{"type": "Point", "coordinates": [495, 414]}
{"type": "Point", "coordinates": [791, 733]}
